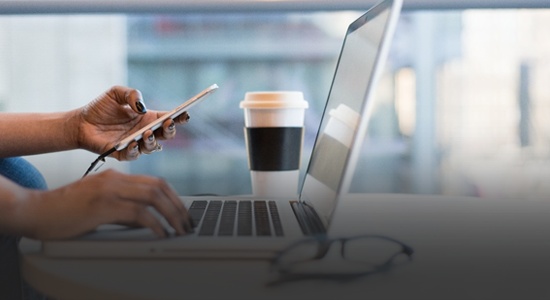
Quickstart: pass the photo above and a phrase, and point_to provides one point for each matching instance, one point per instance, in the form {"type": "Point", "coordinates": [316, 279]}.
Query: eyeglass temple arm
{"type": "Point", "coordinates": [322, 250]}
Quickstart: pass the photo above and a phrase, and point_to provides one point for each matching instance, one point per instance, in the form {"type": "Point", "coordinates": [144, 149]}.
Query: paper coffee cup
{"type": "Point", "coordinates": [274, 130]}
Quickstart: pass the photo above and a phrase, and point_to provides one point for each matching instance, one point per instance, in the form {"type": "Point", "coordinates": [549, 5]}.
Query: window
{"type": "Point", "coordinates": [461, 109]}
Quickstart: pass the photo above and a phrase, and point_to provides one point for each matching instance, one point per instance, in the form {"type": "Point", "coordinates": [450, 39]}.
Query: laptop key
{"type": "Point", "coordinates": [275, 218]}
{"type": "Point", "coordinates": [262, 218]}
{"type": "Point", "coordinates": [196, 210]}
{"type": "Point", "coordinates": [227, 221]}
{"type": "Point", "coordinates": [210, 218]}
{"type": "Point", "coordinates": [244, 223]}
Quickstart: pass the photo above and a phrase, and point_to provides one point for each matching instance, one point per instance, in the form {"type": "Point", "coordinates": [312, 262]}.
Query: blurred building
{"type": "Point", "coordinates": [461, 109]}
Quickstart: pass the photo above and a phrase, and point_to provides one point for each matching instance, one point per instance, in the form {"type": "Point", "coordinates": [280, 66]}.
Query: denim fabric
{"type": "Point", "coordinates": [12, 286]}
{"type": "Point", "coordinates": [22, 172]}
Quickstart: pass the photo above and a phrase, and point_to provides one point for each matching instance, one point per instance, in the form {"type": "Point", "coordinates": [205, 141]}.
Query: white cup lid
{"type": "Point", "coordinates": [274, 100]}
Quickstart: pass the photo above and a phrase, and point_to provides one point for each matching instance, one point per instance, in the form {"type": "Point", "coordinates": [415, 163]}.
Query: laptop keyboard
{"type": "Point", "coordinates": [236, 217]}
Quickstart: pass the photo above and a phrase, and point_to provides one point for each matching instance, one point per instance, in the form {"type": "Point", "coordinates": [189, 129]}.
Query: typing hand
{"type": "Point", "coordinates": [108, 197]}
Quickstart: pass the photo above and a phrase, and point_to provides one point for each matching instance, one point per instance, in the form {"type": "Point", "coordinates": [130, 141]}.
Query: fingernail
{"type": "Point", "coordinates": [134, 150]}
{"type": "Point", "coordinates": [151, 138]}
{"type": "Point", "coordinates": [187, 118]}
{"type": "Point", "coordinates": [141, 107]}
{"type": "Point", "coordinates": [172, 125]}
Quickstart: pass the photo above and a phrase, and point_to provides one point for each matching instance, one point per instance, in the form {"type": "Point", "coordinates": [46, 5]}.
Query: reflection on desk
{"type": "Point", "coordinates": [465, 248]}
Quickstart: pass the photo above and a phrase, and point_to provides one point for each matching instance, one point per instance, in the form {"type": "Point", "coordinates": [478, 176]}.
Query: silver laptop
{"type": "Point", "coordinates": [245, 227]}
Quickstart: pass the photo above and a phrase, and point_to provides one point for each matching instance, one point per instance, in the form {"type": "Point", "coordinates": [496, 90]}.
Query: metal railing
{"type": "Point", "coordinates": [206, 6]}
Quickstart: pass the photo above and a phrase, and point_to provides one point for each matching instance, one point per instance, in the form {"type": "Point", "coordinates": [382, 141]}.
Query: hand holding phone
{"type": "Point", "coordinates": [138, 135]}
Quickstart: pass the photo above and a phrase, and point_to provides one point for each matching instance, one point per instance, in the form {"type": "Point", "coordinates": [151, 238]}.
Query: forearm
{"type": "Point", "coordinates": [31, 213]}
{"type": "Point", "coordinates": [12, 199]}
{"type": "Point", "coordinates": [35, 133]}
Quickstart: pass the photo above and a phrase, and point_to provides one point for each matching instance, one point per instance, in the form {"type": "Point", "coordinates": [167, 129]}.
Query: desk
{"type": "Point", "coordinates": [465, 248]}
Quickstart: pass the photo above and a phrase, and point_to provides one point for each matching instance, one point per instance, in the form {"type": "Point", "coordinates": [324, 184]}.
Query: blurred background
{"type": "Point", "coordinates": [463, 107]}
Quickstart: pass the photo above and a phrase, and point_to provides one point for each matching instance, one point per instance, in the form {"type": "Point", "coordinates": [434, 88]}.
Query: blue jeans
{"type": "Point", "coordinates": [12, 285]}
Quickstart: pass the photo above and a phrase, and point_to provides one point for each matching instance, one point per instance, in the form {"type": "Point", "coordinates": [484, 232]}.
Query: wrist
{"type": "Point", "coordinates": [26, 211]}
{"type": "Point", "coordinates": [34, 214]}
{"type": "Point", "coordinates": [72, 128]}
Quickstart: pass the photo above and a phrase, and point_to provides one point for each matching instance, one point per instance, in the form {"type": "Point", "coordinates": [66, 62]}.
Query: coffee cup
{"type": "Point", "coordinates": [274, 132]}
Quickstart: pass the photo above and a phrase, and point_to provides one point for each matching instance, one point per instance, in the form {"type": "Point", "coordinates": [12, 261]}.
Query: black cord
{"type": "Point", "coordinates": [100, 158]}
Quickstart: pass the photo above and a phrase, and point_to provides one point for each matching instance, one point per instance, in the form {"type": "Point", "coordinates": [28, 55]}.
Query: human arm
{"type": "Point", "coordinates": [108, 197]}
{"type": "Point", "coordinates": [94, 127]}
{"type": "Point", "coordinates": [33, 133]}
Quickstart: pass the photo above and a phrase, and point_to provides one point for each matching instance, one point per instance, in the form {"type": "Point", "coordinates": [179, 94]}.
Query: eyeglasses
{"type": "Point", "coordinates": [321, 258]}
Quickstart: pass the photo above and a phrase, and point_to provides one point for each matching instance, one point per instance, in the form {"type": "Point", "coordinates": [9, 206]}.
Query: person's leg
{"type": "Point", "coordinates": [12, 285]}
{"type": "Point", "coordinates": [22, 172]}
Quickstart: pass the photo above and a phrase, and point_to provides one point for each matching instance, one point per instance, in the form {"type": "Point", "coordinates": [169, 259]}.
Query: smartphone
{"type": "Point", "coordinates": [138, 135]}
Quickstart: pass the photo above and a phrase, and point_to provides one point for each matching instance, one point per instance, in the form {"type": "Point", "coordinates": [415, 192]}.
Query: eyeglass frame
{"type": "Point", "coordinates": [324, 244]}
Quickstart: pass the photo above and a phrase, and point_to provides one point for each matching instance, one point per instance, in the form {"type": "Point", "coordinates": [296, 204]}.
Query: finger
{"type": "Point", "coordinates": [155, 192]}
{"type": "Point", "coordinates": [183, 118]}
{"type": "Point", "coordinates": [130, 153]}
{"type": "Point", "coordinates": [168, 129]}
{"type": "Point", "coordinates": [149, 143]}
{"type": "Point", "coordinates": [172, 196]}
{"type": "Point", "coordinates": [135, 213]}
{"type": "Point", "coordinates": [146, 191]}
{"type": "Point", "coordinates": [133, 97]}
{"type": "Point", "coordinates": [178, 203]}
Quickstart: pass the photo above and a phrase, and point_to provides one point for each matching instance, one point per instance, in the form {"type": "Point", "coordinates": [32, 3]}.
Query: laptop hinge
{"type": "Point", "coordinates": [307, 217]}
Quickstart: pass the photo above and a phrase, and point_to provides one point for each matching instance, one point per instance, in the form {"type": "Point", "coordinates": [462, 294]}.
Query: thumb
{"type": "Point", "coordinates": [125, 95]}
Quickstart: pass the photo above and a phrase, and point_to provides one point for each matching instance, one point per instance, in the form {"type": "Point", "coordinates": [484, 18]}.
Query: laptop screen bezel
{"type": "Point", "coordinates": [394, 7]}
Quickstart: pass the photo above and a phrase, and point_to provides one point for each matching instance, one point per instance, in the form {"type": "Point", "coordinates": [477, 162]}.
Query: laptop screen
{"type": "Point", "coordinates": [346, 108]}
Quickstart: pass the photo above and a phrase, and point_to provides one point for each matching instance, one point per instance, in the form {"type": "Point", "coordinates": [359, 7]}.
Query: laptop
{"type": "Point", "coordinates": [245, 227]}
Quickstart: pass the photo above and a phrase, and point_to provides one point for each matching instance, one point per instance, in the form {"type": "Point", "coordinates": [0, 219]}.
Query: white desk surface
{"type": "Point", "coordinates": [465, 248]}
